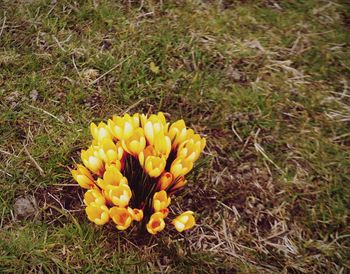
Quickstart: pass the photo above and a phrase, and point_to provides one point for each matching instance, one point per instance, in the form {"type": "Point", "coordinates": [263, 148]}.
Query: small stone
{"type": "Point", "coordinates": [34, 95]}
{"type": "Point", "coordinates": [89, 75]}
{"type": "Point", "coordinates": [24, 208]}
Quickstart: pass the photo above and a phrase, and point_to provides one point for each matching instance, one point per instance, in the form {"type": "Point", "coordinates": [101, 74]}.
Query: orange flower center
{"type": "Point", "coordinates": [155, 224]}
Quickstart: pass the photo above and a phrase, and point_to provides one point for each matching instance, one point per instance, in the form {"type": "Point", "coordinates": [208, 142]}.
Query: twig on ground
{"type": "Point", "coordinates": [133, 105]}
{"type": "Point", "coordinates": [46, 112]}
{"type": "Point", "coordinates": [41, 171]}
{"type": "Point", "coordinates": [3, 25]}
{"type": "Point", "coordinates": [8, 174]}
{"type": "Point", "coordinates": [108, 71]}
{"type": "Point", "coordinates": [8, 153]}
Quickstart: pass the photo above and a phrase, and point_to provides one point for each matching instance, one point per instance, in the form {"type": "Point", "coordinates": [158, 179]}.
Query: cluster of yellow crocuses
{"type": "Point", "coordinates": [133, 166]}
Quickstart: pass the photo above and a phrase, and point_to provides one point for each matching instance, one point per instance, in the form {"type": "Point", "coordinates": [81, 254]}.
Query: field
{"type": "Point", "coordinates": [266, 82]}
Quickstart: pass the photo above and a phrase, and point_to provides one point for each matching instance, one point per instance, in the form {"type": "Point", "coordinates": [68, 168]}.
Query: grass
{"type": "Point", "coordinates": [267, 82]}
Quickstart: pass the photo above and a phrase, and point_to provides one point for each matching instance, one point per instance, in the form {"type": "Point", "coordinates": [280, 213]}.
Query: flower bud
{"type": "Point", "coordinates": [83, 177]}
{"type": "Point", "coordinates": [164, 181]}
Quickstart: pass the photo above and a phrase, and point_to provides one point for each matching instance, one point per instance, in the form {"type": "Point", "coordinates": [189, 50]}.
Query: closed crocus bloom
{"type": "Point", "coordinates": [180, 167]}
{"type": "Point", "coordinates": [118, 195]}
{"type": "Point", "coordinates": [176, 129]}
{"type": "Point", "coordinates": [136, 118]}
{"type": "Point", "coordinates": [100, 132]}
{"type": "Point", "coordinates": [160, 200]}
{"type": "Point", "coordinates": [83, 176]}
{"type": "Point", "coordinates": [179, 133]}
{"type": "Point", "coordinates": [148, 151]}
{"type": "Point", "coordinates": [154, 165]}
{"type": "Point", "coordinates": [136, 143]}
{"type": "Point", "coordinates": [156, 223]}
{"type": "Point", "coordinates": [118, 164]}
{"type": "Point", "coordinates": [184, 221]}
{"type": "Point", "coordinates": [165, 181]}
{"type": "Point", "coordinates": [123, 128]}
{"type": "Point", "coordinates": [99, 214]}
{"type": "Point", "coordinates": [191, 148]}
{"type": "Point", "coordinates": [121, 217]}
{"type": "Point", "coordinates": [137, 214]}
{"type": "Point", "coordinates": [109, 152]}
{"type": "Point", "coordinates": [153, 126]}
{"type": "Point", "coordinates": [179, 183]}
{"type": "Point", "coordinates": [94, 197]}
{"type": "Point", "coordinates": [162, 144]}
{"type": "Point", "coordinates": [92, 161]}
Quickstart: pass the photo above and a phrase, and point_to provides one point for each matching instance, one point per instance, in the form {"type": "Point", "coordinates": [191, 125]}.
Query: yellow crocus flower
{"type": "Point", "coordinates": [148, 151]}
{"type": "Point", "coordinates": [184, 221]}
{"type": "Point", "coordinates": [136, 143]}
{"type": "Point", "coordinates": [137, 214]}
{"type": "Point", "coordinates": [154, 165]}
{"type": "Point", "coordinates": [162, 144]}
{"type": "Point", "coordinates": [180, 167]}
{"type": "Point", "coordinates": [100, 132]}
{"type": "Point", "coordinates": [164, 181]}
{"type": "Point", "coordinates": [94, 197]}
{"type": "Point", "coordinates": [121, 217]}
{"type": "Point", "coordinates": [156, 223]}
{"type": "Point", "coordinates": [153, 126]}
{"type": "Point", "coordinates": [191, 148]}
{"type": "Point", "coordinates": [123, 128]}
{"type": "Point", "coordinates": [99, 214]}
{"type": "Point", "coordinates": [110, 152]}
{"type": "Point", "coordinates": [160, 200]}
{"type": "Point", "coordinates": [118, 195]}
{"type": "Point", "coordinates": [83, 176]}
{"type": "Point", "coordinates": [92, 160]}
{"type": "Point", "coordinates": [179, 133]}
{"type": "Point", "coordinates": [112, 176]}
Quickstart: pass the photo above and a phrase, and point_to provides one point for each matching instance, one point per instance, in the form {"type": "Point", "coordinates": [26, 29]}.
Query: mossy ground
{"type": "Point", "coordinates": [267, 83]}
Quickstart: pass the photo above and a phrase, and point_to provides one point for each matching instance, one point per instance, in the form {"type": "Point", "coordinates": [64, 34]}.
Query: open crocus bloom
{"type": "Point", "coordinates": [83, 176]}
{"type": "Point", "coordinates": [154, 165]}
{"type": "Point", "coordinates": [119, 195]}
{"type": "Point", "coordinates": [156, 223]}
{"type": "Point", "coordinates": [99, 214]}
{"type": "Point", "coordinates": [184, 221]}
{"type": "Point", "coordinates": [94, 197]}
{"type": "Point", "coordinates": [137, 214]}
{"type": "Point", "coordinates": [121, 217]}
